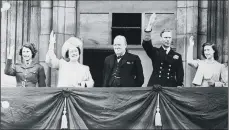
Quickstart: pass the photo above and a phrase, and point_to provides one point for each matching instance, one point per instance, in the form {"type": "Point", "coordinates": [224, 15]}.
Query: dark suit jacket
{"type": "Point", "coordinates": [131, 72]}
{"type": "Point", "coordinates": [167, 68]}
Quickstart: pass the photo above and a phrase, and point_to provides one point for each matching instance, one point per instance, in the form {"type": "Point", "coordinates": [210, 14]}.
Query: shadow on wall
{"type": "Point", "coordinates": [7, 81]}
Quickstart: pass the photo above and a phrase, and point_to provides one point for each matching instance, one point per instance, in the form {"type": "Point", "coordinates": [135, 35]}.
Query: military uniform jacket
{"type": "Point", "coordinates": [131, 72]}
{"type": "Point", "coordinates": [167, 68]}
{"type": "Point", "coordinates": [26, 76]}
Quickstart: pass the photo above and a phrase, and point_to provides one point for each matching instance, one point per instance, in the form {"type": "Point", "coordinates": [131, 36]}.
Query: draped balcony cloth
{"type": "Point", "coordinates": [115, 108]}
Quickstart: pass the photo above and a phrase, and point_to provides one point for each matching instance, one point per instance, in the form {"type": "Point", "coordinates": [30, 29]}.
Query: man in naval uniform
{"type": "Point", "coordinates": [122, 69]}
{"type": "Point", "coordinates": [167, 64]}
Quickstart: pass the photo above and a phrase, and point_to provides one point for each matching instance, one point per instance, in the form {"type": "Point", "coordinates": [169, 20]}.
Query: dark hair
{"type": "Point", "coordinates": [165, 30]}
{"type": "Point", "coordinates": [216, 57]}
{"type": "Point", "coordinates": [31, 46]}
{"type": "Point", "coordinates": [67, 52]}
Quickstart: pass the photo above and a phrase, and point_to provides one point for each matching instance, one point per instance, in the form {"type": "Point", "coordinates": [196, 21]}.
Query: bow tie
{"type": "Point", "coordinates": [119, 57]}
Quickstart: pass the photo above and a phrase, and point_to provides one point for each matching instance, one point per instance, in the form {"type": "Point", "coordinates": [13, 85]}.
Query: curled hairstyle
{"type": "Point", "coordinates": [165, 30]}
{"type": "Point", "coordinates": [67, 52]}
{"type": "Point", "coordinates": [32, 48]}
{"type": "Point", "coordinates": [216, 57]}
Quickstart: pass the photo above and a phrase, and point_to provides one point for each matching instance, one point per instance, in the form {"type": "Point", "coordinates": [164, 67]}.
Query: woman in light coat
{"type": "Point", "coordinates": [209, 70]}
{"type": "Point", "coordinates": [71, 72]}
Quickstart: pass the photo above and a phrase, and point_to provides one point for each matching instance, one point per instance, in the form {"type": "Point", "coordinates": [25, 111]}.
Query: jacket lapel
{"type": "Point", "coordinates": [162, 54]}
{"type": "Point", "coordinates": [170, 56]}
{"type": "Point", "coordinates": [112, 61]}
{"type": "Point", "coordinates": [124, 59]}
{"type": "Point", "coordinates": [166, 57]}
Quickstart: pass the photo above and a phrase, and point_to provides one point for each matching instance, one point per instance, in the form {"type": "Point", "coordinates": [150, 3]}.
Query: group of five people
{"type": "Point", "coordinates": [121, 69]}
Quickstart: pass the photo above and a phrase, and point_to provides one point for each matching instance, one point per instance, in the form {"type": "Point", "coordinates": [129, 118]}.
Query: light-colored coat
{"type": "Point", "coordinates": [70, 74]}
{"type": "Point", "coordinates": [206, 71]}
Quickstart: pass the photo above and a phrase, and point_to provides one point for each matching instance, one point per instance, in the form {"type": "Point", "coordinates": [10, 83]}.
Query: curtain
{"type": "Point", "coordinates": [114, 108]}
{"type": "Point", "coordinates": [217, 25]}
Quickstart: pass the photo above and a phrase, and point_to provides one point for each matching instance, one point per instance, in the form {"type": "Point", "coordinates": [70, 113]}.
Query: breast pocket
{"type": "Point", "coordinates": [20, 74]}
{"type": "Point", "coordinates": [128, 66]}
{"type": "Point", "coordinates": [32, 75]}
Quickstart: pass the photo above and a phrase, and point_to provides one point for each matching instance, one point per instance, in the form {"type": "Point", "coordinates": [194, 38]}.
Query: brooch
{"type": "Point", "coordinates": [129, 62]}
{"type": "Point", "coordinates": [175, 57]}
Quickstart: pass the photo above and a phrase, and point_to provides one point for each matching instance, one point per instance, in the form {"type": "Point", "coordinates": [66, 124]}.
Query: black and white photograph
{"type": "Point", "coordinates": [114, 64]}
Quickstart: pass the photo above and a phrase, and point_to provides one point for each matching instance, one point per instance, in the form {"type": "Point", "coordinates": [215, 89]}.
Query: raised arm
{"type": "Point", "coordinates": [147, 44]}
{"type": "Point", "coordinates": [190, 61]}
{"type": "Point", "coordinates": [51, 58]}
{"type": "Point", "coordinates": [10, 68]}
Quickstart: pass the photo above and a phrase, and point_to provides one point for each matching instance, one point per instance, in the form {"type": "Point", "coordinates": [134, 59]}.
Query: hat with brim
{"type": "Point", "coordinates": [71, 43]}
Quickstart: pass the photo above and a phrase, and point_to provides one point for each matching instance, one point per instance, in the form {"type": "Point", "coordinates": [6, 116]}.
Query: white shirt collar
{"type": "Point", "coordinates": [167, 50]}
{"type": "Point", "coordinates": [121, 55]}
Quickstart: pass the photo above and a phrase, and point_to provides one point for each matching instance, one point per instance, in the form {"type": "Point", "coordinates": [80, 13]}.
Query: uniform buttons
{"type": "Point", "coordinates": [167, 77]}
{"type": "Point", "coordinates": [169, 65]}
{"type": "Point", "coordinates": [159, 75]}
{"type": "Point", "coordinates": [161, 63]}
{"type": "Point", "coordinates": [159, 71]}
{"type": "Point", "coordinates": [168, 73]}
{"type": "Point", "coordinates": [169, 69]}
{"type": "Point", "coordinates": [160, 67]}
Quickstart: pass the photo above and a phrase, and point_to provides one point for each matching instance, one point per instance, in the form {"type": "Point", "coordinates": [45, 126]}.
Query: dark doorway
{"type": "Point", "coordinates": [94, 58]}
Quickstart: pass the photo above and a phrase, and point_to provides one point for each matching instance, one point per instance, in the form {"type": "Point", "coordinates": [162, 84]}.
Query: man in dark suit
{"type": "Point", "coordinates": [122, 69]}
{"type": "Point", "coordinates": [167, 64]}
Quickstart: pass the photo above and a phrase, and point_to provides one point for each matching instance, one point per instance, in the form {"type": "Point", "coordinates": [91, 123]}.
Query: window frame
{"type": "Point", "coordinates": [117, 27]}
{"type": "Point", "coordinates": [109, 45]}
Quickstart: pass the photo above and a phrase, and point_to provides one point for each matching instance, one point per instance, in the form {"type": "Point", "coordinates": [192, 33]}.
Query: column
{"type": "Point", "coordinates": [187, 24]}
{"type": "Point", "coordinates": [46, 27]}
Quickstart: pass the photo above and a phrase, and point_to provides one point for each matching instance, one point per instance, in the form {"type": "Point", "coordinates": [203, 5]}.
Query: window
{"type": "Point", "coordinates": [94, 28]}
{"type": "Point", "coordinates": [128, 25]}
